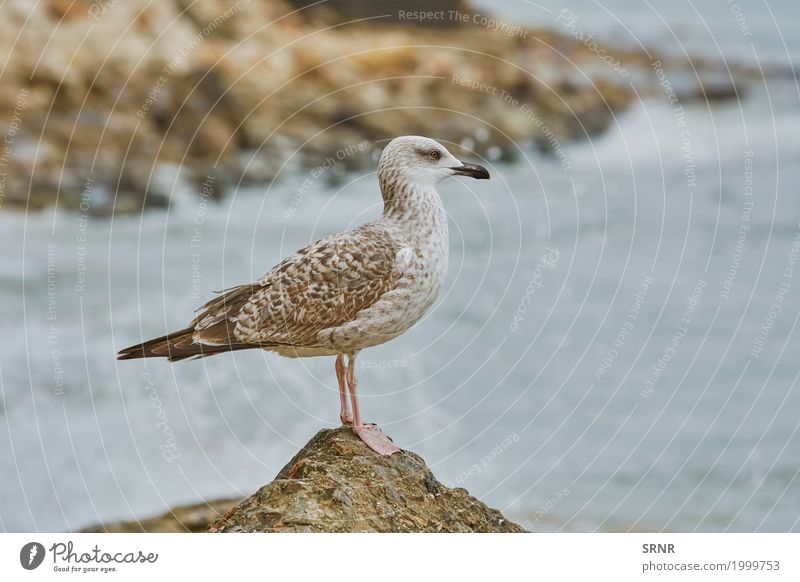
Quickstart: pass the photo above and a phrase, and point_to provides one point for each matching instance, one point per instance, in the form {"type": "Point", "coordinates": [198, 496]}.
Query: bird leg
{"type": "Point", "coordinates": [344, 413]}
{"type": "Point", "coordinates": [372, 436]}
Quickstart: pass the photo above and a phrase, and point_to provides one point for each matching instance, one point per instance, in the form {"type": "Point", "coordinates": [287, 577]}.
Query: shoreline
{"type": "Point", "coordinates": [244, 95]}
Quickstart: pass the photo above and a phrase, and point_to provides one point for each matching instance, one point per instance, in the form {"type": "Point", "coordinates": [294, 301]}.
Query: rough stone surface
{"type": "Point", "coordinates": [336, 484]}
{"type": "Point", "coordinates": [186, 518]}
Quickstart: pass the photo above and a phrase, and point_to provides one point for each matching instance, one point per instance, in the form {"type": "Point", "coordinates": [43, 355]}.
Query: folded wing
{"type": "Point", "coordinates": [323, 285]}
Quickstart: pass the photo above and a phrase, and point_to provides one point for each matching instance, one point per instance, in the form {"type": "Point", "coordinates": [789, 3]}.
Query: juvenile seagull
{"type": "Point", "coordinates": [345, 292]}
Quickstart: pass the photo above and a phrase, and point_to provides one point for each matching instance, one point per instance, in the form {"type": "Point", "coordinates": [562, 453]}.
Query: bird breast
{"type": "Point", "coordinates": [422, 260]}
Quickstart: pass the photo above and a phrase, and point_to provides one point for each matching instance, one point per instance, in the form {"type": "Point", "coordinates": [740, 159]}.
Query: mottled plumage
{"type": "Point", "coordinates": [318, 288]}
{"type": "Point", "coordinates": [347, 291]}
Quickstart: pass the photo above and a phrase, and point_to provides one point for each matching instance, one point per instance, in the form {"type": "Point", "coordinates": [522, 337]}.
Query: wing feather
{"type": "Point", "coordinates": [321, 286]}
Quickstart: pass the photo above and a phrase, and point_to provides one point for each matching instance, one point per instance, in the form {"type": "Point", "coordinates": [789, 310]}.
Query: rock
{"type": "Point", "coordinates": [336, 484]}
{"type": "Point", "coordinates": [97, 91]}
{"type": "Point", "coordinates": [383, 11]}
{"type": "Point", "coordinates": [186, 518]}
{"type": "Point", "coordinates": [716, 90]}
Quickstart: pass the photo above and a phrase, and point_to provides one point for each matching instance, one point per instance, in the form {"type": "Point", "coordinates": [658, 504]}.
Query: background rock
{"type": "Point", "coordinates": [382, 11]}
{"type": "Point", "coordinates": [114, 89]}
{"type": "Point", "coordinates": [186, 518]}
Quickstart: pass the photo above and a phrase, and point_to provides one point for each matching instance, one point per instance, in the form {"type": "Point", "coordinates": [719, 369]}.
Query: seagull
{"type": "Point", "coordinates": [345, 292]}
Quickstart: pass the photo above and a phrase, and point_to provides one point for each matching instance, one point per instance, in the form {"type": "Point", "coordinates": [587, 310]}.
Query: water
{"type": "Point", "coordinates": [512, 386]}
{"type": "Point", "coordinates": [764, 32]}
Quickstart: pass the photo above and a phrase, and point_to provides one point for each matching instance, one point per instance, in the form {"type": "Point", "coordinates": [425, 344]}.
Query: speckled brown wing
{"type": "Point", "coordinates": [215, 323]}
{"type": "Point", "coordinates": [321, 286]}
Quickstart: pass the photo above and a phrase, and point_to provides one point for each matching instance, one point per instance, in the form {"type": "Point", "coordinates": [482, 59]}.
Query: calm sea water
{"type": "Point", "coordinates": [615, 348]}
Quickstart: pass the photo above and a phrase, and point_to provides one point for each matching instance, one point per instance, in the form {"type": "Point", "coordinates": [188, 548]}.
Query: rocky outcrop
{"type": "Point", "coordinates": [337, 484]}
{"type": "Point", "coordinates": [104, 99]}
{"type": "Point", "coordinates": [108, 105]}
{"type": "Point", "coordinates": [196, 517]}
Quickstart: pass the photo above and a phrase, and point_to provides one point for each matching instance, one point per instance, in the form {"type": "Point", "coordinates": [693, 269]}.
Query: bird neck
{"type": "Point", "coordinates": [415, 213]}
{"type": "Point", "coordinates": [411, 202]}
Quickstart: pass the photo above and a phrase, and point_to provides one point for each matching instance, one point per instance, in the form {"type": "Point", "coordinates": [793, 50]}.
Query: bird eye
{"type": "Point", "coordinates": [435, 155]}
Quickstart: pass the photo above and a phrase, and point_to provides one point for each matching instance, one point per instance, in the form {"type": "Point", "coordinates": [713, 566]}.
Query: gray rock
{"type": "Point", "coordinates": [337, 484]}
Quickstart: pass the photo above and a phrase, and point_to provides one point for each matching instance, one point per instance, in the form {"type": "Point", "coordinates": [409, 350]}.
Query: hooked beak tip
{"type": "Point", "coordinates": [471, 170]}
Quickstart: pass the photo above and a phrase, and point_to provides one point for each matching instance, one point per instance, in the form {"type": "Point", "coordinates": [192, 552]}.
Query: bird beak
{"type": "Point", "coordinates": [471, 170]}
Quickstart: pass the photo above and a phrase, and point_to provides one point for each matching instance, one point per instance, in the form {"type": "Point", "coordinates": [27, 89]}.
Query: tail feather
{"type": "Point", "coordinates": [176, 346]}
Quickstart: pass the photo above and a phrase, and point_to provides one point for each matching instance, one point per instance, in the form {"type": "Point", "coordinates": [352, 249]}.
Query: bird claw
{"type": "Point", "coordinates": [375, 439]}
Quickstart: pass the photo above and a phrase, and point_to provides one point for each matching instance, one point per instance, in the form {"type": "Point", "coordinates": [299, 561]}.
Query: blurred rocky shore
{"type": "Point", "coordinates": [108, 106]}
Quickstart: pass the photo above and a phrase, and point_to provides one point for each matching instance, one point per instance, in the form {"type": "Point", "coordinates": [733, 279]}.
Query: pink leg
{"type": "Point", "coordinates": [372, 436]}
{"type": "Point", "coordinates": [344, 413]}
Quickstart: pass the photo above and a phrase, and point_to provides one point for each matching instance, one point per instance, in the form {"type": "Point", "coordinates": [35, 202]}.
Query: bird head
{"type": "Point", "coordinates": [422, 161]}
